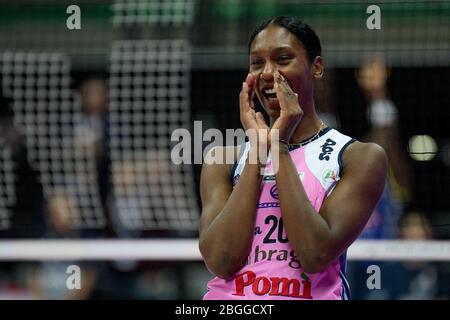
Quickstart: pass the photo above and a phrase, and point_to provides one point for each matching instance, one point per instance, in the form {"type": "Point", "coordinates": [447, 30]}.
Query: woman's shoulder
{"type": "Point", "coordinates": [368, 155]}
{"type": "Point", "coordinates": [219, 163]}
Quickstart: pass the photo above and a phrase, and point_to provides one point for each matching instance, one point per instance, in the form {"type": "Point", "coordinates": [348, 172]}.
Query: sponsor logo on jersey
{"type": "Point", "coordinates": [273, 286]}
{"type": "Point", "coordinates": [271, 177]}
{"type": "Point", "coordinates": [263, 205]}
{"type": "Point", "coordinates": [327, 149]}
{"type": "Point", "coordinates": [274, 192]}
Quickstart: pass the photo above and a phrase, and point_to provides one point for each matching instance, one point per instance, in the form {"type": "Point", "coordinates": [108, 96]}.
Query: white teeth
{"type": "Point", "coordinates": [269, 91]}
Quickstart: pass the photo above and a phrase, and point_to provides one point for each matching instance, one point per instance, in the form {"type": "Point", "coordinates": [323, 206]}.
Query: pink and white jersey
{"type": "Point", "coordinates": [272, 270]}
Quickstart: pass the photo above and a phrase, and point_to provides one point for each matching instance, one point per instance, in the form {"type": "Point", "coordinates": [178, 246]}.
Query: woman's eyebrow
{"type": "Point", "coordinates": [280, 48]}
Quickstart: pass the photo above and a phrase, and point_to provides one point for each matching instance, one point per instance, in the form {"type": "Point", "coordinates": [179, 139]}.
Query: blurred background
{"type": "Point", "coordinates": [86, 117]}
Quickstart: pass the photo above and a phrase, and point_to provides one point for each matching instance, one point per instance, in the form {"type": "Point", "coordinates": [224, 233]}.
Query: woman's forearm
{"type": "Point", "coordinates": [226, 242]}
{"type": "Point", "coordinates": [307, 231]}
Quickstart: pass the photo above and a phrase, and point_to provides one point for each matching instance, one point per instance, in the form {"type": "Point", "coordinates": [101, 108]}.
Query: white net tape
{"type": "Point", "coordinates": [187, 250]}
{"type": "Point", "coordinates": [149, 85]}
{"type": "Point", "coordinates": [45, 110]}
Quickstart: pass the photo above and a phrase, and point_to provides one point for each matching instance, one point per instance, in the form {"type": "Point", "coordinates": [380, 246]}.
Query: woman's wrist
{"type": "Point", "coordinates": [279, 146]}
{"type": "Point", "coordinates": [258, 155]}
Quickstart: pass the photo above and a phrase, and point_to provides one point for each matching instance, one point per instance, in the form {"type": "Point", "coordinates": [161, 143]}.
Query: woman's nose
{"type": "Point", "coordinates": [267, 73]}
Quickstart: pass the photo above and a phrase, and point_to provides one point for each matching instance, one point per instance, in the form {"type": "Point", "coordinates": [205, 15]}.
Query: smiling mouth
{"type": "Point", "coordinates": [270, 97]}
{"type": "Point", "coordinates": [270, 94]}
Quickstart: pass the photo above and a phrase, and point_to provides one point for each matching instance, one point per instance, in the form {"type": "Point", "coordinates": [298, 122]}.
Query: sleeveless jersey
{"type": "Point", "coordinates": [272, 270]}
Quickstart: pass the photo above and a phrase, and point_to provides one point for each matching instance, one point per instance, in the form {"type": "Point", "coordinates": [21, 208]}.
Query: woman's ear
{"type": "Point", "coordinates": [318, 67]}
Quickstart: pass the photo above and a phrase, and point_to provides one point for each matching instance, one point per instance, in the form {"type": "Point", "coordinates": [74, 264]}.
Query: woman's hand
{"type": "Point", "coordinates": [251, 119]}
{"type": "Point", "coordinates": [254, 123]}
{"type": "Point", "coordinates": [290, 111]}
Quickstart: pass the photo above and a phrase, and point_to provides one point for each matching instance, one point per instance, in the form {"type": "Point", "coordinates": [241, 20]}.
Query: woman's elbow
{"type": "Point", "coordinates": [222, 270]}
{"type": "Point", "coordinates": [220, 264]}
{"type": "Point", "coordinates": [315, 264]}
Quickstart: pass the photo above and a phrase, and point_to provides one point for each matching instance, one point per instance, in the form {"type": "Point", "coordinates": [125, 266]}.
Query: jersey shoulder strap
{"type": "Point", "coordinates": [240, 162]}
{"type": "Point", "coordinates": [323, 157]}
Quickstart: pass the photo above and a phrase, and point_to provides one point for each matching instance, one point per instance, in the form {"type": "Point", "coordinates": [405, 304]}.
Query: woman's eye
{"type": "Point", "coordinates": [283, 59]}
{"type": "Point", "coordinates": [255, 62]}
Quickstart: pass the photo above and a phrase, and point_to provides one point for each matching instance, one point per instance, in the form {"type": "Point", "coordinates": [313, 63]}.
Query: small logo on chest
{"type": "Point", "coordinates": [329, 176]}
{"type": "Point", "coordinates": [274, 192]}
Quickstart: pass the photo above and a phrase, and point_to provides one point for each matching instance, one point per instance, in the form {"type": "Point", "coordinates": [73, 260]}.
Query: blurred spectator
{"type": "Point", "coordinates": [61, 212]}
{"type": "Point", "coordinates": [92, 130]}
{"type": "Point", "coordinates": [125, 207]}
{"type": "Point", "coordinates": [147, 193]}
{"type": "Point", "coordinates": [26, 213]}
{"type": "Point", "coordinates": [412, 280]}
{"type": "Point", "coordinates": [382, 116]}
{"type": "Point", "coordinates": [137, 185]}
{"type": "Point", "coordinates": [47, 279]}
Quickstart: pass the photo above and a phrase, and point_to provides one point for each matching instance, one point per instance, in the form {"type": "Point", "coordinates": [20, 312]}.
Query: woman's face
{"type": "Point", "coordinates": [275, 48]}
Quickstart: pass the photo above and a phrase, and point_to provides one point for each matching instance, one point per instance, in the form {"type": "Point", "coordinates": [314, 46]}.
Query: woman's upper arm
{"type": "Point", "coordinates": [215, 189]}
{"type": "Point", "coordinates": [351, 203]}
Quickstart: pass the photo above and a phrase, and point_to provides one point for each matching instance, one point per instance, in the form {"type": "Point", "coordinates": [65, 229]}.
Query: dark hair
{"type": "Point", "coordinates": [301, 30]}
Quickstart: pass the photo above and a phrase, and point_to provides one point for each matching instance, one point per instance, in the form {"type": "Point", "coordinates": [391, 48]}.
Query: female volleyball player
{"type": "Point", "coordinates": [284, 234]}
